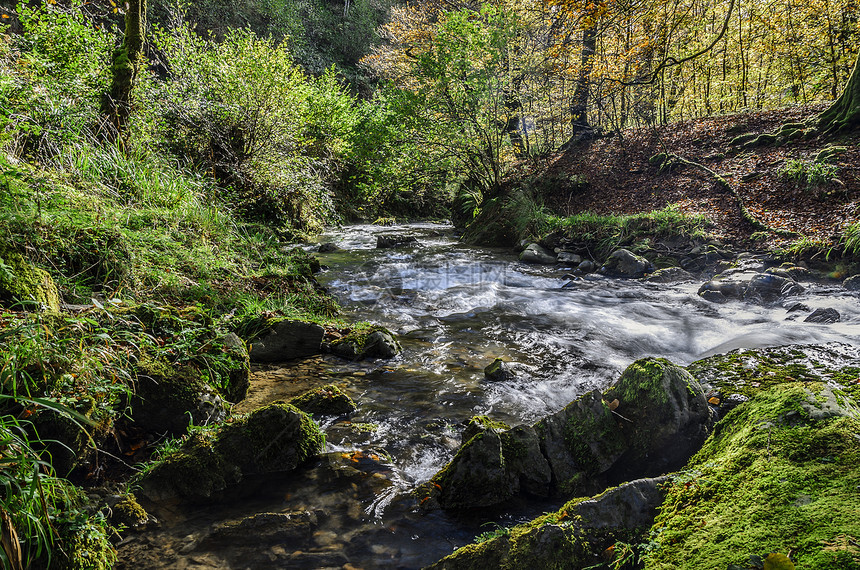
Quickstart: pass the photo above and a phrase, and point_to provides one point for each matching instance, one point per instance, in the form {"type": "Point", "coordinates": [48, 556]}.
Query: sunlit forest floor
{"type": "Point", "coordinates": [782, 185]}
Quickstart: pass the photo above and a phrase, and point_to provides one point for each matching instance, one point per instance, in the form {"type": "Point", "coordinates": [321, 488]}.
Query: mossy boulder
{"type": "Point", "coordinates": [21, 282]}
{"type": "Point", "coordinates": [482, 423]}
{"type": "Point", "coordinates": [490, 468]}
{"type": "Point", "coordinates": [581, 441]}
{"type": "Point", "coordinates": [275, 438]}
{"type": "Point", "coordinates": [664, 418]}
{"type": "Point", "coordinates": [741, 374]}
{"type": "Point", "coordinates": [168, 396]}
{"type": "Point", "coordinates": [328, 400]}
{"type": "Point", "coordinates": [373, 342]}
{"type": "Point", "coordinates": [128, 512]}
{"type": "Point", "coordinates": [626, 264]}
{"type": "Point", "coordinates": [576, 536]}
{"type": "Point", "coordinates": [651, 421]}
{"type": "Point", "coordinates": [779, 474]}
{"type": "Point", "coordinates": [498, 371]}
{"type": "Point", "coordinates": [286, 340]}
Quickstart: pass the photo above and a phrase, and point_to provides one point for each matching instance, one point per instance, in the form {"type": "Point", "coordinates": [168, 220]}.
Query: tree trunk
{"type": "Point", "coordinates": [844, 113]}
{"type": "Point", "coordinates": [579, 101]}
{"type": "Point", "coordinates": [127, 59]}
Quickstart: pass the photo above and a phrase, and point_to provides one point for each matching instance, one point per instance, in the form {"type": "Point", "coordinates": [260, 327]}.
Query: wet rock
{"type": "Point", "coordinates": [328, 400]}
{"type": "Point", "coordinates": [498, 371]}
{"type": "Point", "coordinates": [798, 308]}
{"type": "Point", "coordinates": [576, 536]}
{"type": "Point", "coordinates": [626, 264]}
{"type": "Point", "coordinates": [670, 275]}
{"type": "Point", "coordinates": [537, 254]}
{"type": "Point", "coordinates": [580, 441]}
{"type": "Point", "coordinates": [666, 417]}
{"type": "Point", "coordinates": [387, 241]}
{"type": "Point", "coordinates": [376, 343]}
{"type": "Point", "coordinates": [286, 340]}
{"type": "Point", "coordinates": [719, 290]}
{"type": "Point", "coordinates": [652, 420]}
{"type": "Point", "coordinates": [823, 316]}
{"type": "Point", "coordinates": [569, 258]}
{"type": "Point", "coordinates": [771, 287]}
{"type": "Point", "coordinates": [587, 266]}
{"type": "Point", "coordinates": [490, 468]}
{"type": "Point", "coordinates": [792, 272]}
{"type": "Point", "coordinates": [262, 528]}
{"type": "Point", "coordinates": [852, 283]}
{"type": "Point", "coordinates": [763, 287]}
{"type": "Point", "coordinates": [328, 247]}
{"type": "Point", "coordinates": [275, 438]}
{"type": "Point", "coordinates": [480, 424]}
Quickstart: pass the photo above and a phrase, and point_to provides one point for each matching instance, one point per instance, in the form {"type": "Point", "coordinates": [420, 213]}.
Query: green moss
{"type": "Point", "coordinates": [748, 372]}
{"type": "Point", "coordinates": [478, 424]}
{"type": "Point", "coordinates": [642, 380]}
{"type": "Point", "coordinates": [21, 282]}
{"type": "Point", "coordinates": [85, 547]}
{"type": "Point", "coordinates": [128, 512]}
{"type": "Point", "coordinates": [328, 400]}
{"type": "Point", "coordinates": [770, 479]}
{"type": "Point", "coordinates": [582, 429]}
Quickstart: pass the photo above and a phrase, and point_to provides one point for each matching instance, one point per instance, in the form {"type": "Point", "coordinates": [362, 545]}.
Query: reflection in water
{"type": "Point", "coordinates": [456, 309]}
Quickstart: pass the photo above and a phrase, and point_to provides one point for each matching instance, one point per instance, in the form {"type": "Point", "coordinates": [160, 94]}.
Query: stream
{"type": "Point", "coordinates": [455, 309]}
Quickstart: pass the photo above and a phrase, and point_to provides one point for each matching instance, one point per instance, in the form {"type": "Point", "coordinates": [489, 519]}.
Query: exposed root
{"type": "Point", "coordinates": [667, 162]}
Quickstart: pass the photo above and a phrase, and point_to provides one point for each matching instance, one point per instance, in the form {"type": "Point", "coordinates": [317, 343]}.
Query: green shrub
{"type": "Point", "coordinates": [813, 174]}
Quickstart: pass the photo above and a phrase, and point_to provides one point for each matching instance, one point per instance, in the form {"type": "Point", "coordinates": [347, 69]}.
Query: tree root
{"type": "Point", "coordinates": [667, 162]}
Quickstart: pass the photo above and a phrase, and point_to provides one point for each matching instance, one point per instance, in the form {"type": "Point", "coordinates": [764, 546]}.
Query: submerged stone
{"type": "Point", "coordinates": [328, 400]}
{"type": "Point", "coordinates": [498, 371]}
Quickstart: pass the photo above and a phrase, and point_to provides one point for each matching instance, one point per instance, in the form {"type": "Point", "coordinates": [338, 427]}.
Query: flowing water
{"type": "Point", "coordinates": [455, 309]}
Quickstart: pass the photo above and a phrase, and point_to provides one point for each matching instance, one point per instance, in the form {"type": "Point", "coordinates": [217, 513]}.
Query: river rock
{"type": "Point", "coordinates": [490, 468]}
{"type": "Point", "coordinates": [771, 287]}
{"type": "Point", "coordinates": [852, 283]}
{"type": "Point", "coordinates": [587, 266]}
{"type": "Point", "coordinates": [666, 417]}
{"type": "Point", "coordinates": [328, 400]}
{"type": "Point", "coordinates": [576, 536]}
{"type": "Point", "coordinates": [823, 316]}
{"type": "Point", "coordinates": [168, 396]}
{"type": "Point", "coordinates": [670, 275]}
{"type": "Point", "coordinates": [328, 247]}
{"type": "Point", "coordinates": [376, 343]}
{"type": "Point", "coordinates": [498, 371]}
{"type": "Point", "coordinates": [567, 257]}
{"type": "Point", "coordinates": [479, 424]}
{"type": "Point", "coordinates": [652, 420]}
{"type": "Point", "coordinates": [272, 439]}
{"type": "Point", "coordinates": [626, 264]}
{"type": "Point", "coordinates": [535, 253]}
{"type": "Point", "coordinates": [387, 241]}
{"type": "Point", "coordinates": [286, 340]}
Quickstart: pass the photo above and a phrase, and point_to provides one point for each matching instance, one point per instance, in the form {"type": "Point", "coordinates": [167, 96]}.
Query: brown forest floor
{"type": "Point", "coordinates": [621, 181]}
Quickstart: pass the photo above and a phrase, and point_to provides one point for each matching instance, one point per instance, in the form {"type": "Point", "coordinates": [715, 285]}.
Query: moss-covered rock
{"type": "Point", "coordinates": [741, 374]}
{"type": "Point", "coordinates": [275, 438]}
{"type": "Point", "coordinates": [778, 475]}
{"type": "Point", "coordinates": [664, 415]}
{"type": "Point", "coordinates": [21, 282]}
{"type": "Point", "coordinates": [128, 512]}
{"type": "Point", "coordinates": [328, 400]}
{"type": "Point", "coordinates": [575, 536]}
{"type": "Point", "coordinates": [169, 396]}
{"type": "Point", "coordinates": [651, 421]}
{"type": "Point", "coordinates": [68, 440]}
{"type": "Point", "coordinates": [287, 339]}
{"type": "Point", "coordinates": [478, 424]}
{"type": "Point", "coordinates": [367, 342]}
